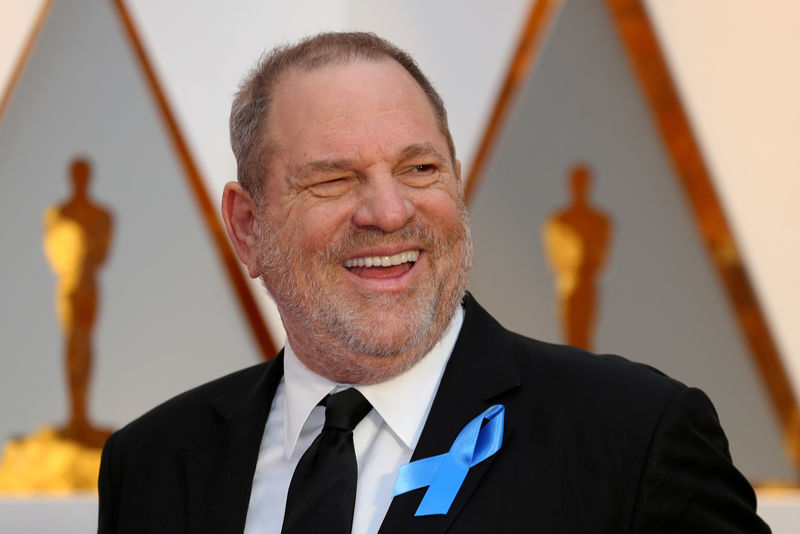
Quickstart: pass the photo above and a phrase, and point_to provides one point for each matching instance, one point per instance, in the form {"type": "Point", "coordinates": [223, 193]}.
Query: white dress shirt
{"type": "Point", "coordinates": [383, 441]}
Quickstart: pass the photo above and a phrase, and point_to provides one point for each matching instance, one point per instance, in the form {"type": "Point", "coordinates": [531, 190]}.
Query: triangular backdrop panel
{"type": "Point", "coordinates": [659, 301]}
{"type": "Point", "coordinates": [168, 318]}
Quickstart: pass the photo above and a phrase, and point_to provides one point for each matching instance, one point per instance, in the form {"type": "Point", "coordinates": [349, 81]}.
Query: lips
{"type": "Point", "coordinates": [407, 256]}
{"type": "Point", "coordinates": [382, 266]}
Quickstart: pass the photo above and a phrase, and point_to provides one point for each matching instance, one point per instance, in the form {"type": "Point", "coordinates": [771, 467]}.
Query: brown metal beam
{"type": "Point", "coordinates": [652, 71]}
{"type": "Point", "coordinates": [196, 184]}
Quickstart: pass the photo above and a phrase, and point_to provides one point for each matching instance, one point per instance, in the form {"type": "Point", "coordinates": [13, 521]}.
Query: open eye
{"type": "Point", "coordinates": [421, 169]}
{"type": "Point", "coordinates": [421, 175]}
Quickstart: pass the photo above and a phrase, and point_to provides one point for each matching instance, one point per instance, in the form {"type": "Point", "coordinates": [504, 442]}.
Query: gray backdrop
{"type": "Point", "coordinates": [661, 302]}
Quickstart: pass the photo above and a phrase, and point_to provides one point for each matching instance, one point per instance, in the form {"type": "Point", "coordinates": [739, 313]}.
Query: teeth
{"type": "Point", "coordinates": [383, 261]}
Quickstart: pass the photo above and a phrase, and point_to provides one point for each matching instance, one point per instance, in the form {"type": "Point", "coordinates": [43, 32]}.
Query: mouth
{"type": "Point", "coordinates": [382, 266]}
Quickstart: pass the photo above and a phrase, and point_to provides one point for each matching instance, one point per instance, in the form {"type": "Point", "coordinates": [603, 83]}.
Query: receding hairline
{"type": "Point", "coordinates": [252, 106]}
{"type": "Point", "coordinates": [269, 147]}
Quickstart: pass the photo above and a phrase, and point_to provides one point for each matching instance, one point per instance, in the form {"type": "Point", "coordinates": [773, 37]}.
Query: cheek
{"type": "Point", "coordinates": [443, 209]}
{"type": "Point", "coordinates": [315, 226]}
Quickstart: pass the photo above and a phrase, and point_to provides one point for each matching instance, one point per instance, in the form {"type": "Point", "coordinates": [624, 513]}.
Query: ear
{"type": "Point", "coordinates": [239, 215]}
{"type": "Point", "coordinates": [458, 173]}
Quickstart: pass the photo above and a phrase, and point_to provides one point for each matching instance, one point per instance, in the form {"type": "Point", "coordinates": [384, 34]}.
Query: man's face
{"type": "Point", "coordinates": [363, 237]}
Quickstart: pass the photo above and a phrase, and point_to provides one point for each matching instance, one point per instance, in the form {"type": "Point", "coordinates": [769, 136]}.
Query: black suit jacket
{"type": "Point", "coordinates": [593, 444]}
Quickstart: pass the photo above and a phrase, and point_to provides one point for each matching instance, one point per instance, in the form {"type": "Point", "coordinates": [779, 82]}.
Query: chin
{"type": "Point", "coordinates": [386, 339]}
{"type": "Point", "coordinates": [372, 369]}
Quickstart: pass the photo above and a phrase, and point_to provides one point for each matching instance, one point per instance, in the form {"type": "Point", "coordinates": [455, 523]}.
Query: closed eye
{"type": "Point", "coordinates": [331, 187]}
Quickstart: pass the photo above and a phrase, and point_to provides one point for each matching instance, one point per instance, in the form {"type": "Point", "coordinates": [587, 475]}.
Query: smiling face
{"type": "Point", "coordinates": [362, 234]}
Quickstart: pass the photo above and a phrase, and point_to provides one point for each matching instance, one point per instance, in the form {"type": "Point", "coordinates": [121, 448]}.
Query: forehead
{"type": "Point", "coordinates": [355, 106]}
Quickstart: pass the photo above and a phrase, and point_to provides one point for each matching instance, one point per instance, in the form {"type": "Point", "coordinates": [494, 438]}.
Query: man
{"type": "Point", "coordinates": [349, 207]}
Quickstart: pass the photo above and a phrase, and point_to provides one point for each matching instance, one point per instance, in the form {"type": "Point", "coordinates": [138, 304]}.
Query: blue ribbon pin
{"type": "Point", "coordinates": [444, 474]}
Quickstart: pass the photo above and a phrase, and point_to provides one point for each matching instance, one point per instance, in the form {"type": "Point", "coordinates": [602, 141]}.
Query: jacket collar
{"type": "Point", "coordinates": [479, 370]}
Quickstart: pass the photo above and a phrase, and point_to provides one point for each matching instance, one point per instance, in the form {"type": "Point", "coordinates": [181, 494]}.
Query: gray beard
{"type": "Point", "coordinates": [334, 325]}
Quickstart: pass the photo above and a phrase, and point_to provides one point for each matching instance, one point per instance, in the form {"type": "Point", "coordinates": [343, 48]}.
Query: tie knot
{"type": "Point", "coordinates": [345, 409]}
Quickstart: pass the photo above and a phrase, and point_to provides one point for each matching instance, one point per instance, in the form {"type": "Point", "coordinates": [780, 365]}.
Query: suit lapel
{"type": "Point", "coordinates": [477, 372]}
{"type": "Point", "coordinates": [219, 472]}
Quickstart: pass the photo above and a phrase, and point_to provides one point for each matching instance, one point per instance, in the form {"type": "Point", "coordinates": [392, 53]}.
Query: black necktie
{"type": "Point", "coordinates": [322, 494]}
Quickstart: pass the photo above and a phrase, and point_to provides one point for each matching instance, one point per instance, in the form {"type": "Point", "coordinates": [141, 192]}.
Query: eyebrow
{"type": "Point", "coordinates": [324, 165]}
{"type": "Point", "coordinates": [422, 149]}
{"type": "Point", "coordinates": [336, 165]}
{"type": "Point", "coordinates": [321, 166]}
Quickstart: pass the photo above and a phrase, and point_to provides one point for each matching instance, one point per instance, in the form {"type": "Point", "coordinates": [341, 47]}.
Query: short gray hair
{"type": "Point", "coordinates": [251, 104]}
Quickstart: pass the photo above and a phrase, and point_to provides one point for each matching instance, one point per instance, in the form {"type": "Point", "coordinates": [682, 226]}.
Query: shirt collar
{"type": "Point", "coordinates": [415, 388]}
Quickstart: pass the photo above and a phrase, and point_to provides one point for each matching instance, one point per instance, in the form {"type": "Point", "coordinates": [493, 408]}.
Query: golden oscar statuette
{"type": "Point", "coordinates": [576, 241]}
{"type": "Point", "coordinates": [77, 235]}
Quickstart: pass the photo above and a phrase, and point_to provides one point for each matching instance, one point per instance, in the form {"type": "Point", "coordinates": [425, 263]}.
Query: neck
{"type": "Point", "coordinates": [330, 357]}
{"type": "Point", "coordinates": [346, 367]}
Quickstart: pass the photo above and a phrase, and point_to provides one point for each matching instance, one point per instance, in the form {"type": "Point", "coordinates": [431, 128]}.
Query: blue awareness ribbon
{"type": "Point", "coordinates": [444, 474]}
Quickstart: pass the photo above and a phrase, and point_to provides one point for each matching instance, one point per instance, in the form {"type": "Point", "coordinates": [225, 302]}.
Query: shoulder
{"type": "Point", "coordinates": [188, 414]}
{"type": "Point", "coordinates": [651, 446]}
{"type": "Point", "coordinates": [144, 465]}
{"type": "Point", "coordinates": [600, 401]}
{"type": "Point", "coordinates": [569, 369]}
{"type": "Point", "coordinates": [583, 376]}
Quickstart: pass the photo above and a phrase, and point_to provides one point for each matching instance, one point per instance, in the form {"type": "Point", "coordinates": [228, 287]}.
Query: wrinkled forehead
{"type": "Point", "coordinates": [344, 88]}
{"type": "Point", "coordinates": [366, 102]}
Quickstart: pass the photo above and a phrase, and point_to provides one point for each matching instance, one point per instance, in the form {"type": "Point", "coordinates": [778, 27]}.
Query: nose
{"type": "Point", "coordinates": [384, 205]}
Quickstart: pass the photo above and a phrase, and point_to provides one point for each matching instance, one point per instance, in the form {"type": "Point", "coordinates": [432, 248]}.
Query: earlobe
{"type": "Point", "coordinates": [239, 215]}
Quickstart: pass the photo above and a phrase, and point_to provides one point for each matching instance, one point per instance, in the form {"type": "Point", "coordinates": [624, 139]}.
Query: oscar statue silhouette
{"type": "Point", "coordinates": [77, 236]}
{"type": "Point", "coordinates": [576, 240]}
